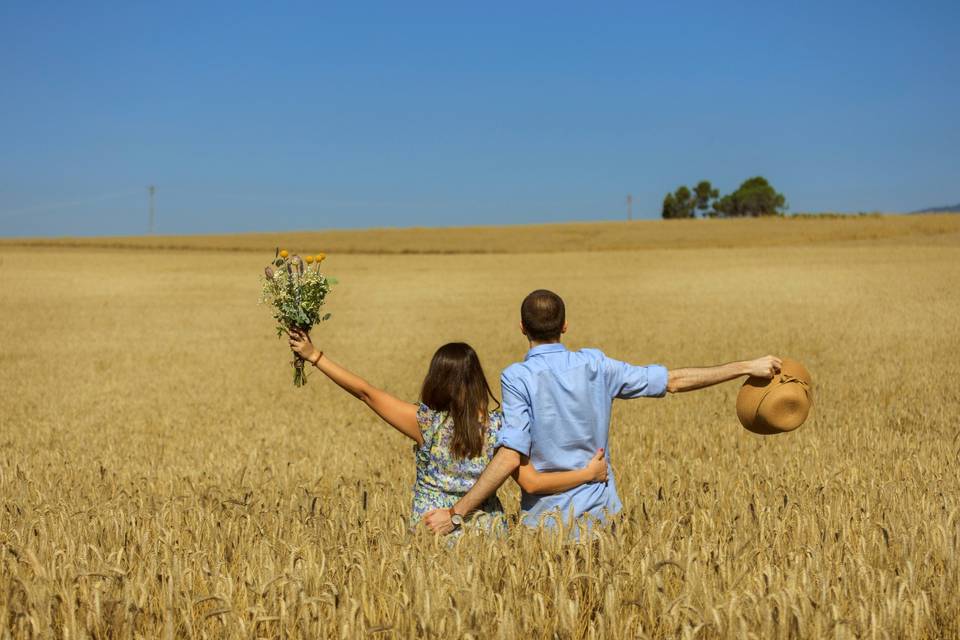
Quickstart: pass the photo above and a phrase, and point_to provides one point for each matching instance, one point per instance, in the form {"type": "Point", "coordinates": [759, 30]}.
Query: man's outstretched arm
{"type": "Point", "coordinates": [504, 463]}
{"type": "Point", "coordinates": [690, 378]}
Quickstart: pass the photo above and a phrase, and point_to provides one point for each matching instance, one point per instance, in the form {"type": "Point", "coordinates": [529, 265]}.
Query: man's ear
{"type": "Point", "coordinates": [564, 330]}
{"type": "Point", "coordinates": [523, 329]}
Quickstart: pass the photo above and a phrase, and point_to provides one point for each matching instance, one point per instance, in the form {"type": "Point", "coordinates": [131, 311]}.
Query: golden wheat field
{"type": "Point", "coordinates": [160, 477]}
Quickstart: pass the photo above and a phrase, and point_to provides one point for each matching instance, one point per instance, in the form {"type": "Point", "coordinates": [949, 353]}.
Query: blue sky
{"type": "Point", "coordinates": [309, 115]}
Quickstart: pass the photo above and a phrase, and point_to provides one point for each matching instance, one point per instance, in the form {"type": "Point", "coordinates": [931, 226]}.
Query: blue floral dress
{"type": "Point", "coordinates": [442, 479]}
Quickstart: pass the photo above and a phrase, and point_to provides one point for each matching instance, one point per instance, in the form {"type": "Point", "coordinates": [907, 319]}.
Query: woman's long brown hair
{"type": "Point", "coordinates": [455, 383]}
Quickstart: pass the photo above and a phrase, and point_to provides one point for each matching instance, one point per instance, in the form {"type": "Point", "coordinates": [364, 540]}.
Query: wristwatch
{"type": "Point", "coordinates": [456, 519]}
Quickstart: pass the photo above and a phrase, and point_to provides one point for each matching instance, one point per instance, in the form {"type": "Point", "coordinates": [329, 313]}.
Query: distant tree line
{"type": "Point", "coordinates": [755, 197]}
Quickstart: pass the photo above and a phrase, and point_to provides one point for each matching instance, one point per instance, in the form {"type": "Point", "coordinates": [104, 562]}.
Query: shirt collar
{"type": "Point", "coordinates": [553, 347]}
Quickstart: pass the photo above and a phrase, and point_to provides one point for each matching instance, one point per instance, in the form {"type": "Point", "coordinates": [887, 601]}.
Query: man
{"type": "Point", "coordinates": [556, 406]}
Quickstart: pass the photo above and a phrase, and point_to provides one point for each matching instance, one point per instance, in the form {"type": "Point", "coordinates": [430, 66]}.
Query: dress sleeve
{"type": "Point", "coordinates": [515, 433]}
{"type": "Point", "coordinates": [627, 381]}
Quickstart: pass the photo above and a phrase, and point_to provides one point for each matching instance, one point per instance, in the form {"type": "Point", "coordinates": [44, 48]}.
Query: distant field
{"type": "Point", "coordinates": [596, 236]}
{"type": "Point", "coordinates": [161, 478]}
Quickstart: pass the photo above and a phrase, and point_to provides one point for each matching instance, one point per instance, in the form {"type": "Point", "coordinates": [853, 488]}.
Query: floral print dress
{"type": "Point", "coordinates": [442, 479]}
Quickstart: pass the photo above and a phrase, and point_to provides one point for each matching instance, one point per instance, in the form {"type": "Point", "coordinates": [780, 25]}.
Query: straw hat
{"type": "Point", "coordinates": [779, 404]}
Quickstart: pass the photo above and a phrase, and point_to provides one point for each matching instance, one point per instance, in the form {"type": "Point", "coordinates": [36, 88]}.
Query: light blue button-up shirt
{"type": "Point", "coordinates": [556, 406]}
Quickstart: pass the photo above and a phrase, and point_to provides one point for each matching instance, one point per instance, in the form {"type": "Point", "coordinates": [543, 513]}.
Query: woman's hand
{"type": "Point", "coordinates": [301, 345]}
{"type": "Point", "coordinates": [597, 467]}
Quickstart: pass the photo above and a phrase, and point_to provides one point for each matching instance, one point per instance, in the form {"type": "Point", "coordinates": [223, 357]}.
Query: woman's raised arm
{"type": "Point", "coordinates": [536, 482]}
{"type": "Point", "coordinates": [399, 414]}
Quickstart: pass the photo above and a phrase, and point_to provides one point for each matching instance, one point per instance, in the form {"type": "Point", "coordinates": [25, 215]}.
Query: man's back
{"type": "Point", "coordinates": [557, 411]}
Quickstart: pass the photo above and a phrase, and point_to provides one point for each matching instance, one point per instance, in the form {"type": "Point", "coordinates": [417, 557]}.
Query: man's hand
{"type": "Point", "coordinates": [765, 367]}
{"type": "Point", "coordinates": [301, 345]}
{"type": "Point", "coordinates": [439, 521]}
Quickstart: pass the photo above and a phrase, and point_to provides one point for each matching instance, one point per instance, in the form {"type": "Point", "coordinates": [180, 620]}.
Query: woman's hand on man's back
{"type": "Point", "coordinates": [598, 466]}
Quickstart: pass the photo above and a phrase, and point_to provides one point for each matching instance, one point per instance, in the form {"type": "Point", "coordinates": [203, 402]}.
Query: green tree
{"type": "Point", "coordinates": [755, 197]}
{"type": "Point", "coordinates": [679, 204]}
{"type": "Point", "coordinates": [703, 195]}
{"type": "Point", "coordinates": [669, 207]}
{"type": "Point", "coordinates": [684, 203]}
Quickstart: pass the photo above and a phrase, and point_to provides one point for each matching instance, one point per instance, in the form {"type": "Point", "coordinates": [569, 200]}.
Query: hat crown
{"type": "Point", "coordinates": [779, 404]}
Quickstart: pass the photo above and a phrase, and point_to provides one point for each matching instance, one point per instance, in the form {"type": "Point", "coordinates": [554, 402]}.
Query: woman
{"type": "Point", "coordinates": [453, 426]}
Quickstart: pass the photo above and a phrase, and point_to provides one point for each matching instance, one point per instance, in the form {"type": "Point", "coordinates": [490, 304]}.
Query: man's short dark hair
{"type": "Point", "coordinates": [543, 315]}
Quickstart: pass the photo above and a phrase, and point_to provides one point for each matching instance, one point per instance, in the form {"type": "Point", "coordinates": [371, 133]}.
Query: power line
{"type": "Point", "coordinates": [57, 206]}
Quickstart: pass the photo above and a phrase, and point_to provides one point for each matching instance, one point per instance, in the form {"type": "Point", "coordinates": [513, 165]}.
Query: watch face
{"type": "Point", "coordinates": [457, 520]}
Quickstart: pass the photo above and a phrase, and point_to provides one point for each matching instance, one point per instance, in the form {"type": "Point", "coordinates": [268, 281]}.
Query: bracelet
{"type": "Point", "coordinates": [314, 362]}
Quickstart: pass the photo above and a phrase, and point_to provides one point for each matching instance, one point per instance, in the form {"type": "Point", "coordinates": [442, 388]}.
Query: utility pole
{"type": "Point", "coordinates": [151, 190]}
{"type": "Point", "coordinates": [629, 206]}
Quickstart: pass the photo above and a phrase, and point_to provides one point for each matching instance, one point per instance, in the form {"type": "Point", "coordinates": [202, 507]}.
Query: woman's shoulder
{"type": "Point", "coordinates": [495, 418]}
{"type": "Point", "coordinates": [429, 422]}
{"type": "Point", "coordinates": [428, 417]}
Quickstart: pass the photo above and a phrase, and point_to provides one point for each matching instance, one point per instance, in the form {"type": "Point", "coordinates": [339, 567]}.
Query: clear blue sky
{"type": "Point", "coordinates": [275, 116]}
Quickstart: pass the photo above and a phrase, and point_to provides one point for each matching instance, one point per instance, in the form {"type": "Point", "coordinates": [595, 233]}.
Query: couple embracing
{"type": "Point", "coordinates": [551, 434]}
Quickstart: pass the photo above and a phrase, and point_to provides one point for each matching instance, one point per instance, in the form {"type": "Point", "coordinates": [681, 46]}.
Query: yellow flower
{"type": "Point", "coordinates": [309, 259]}
{"type": "Point", "coordinates": [321, 257]}
{"type": "Point", "coordinates": [283, 253]}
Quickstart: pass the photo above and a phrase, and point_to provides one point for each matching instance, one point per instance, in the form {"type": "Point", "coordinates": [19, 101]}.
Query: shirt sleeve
{"type": "Point", "coordinates": [515, 433]}
{"type": "Point", "coordinates": [627, 381]}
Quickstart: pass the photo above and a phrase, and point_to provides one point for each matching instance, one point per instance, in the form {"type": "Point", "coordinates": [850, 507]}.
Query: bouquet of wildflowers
{"type": "Point", "coordinates": [296, 290]}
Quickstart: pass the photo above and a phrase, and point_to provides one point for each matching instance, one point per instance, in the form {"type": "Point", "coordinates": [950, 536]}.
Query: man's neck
{"type": "Point", "coordinates": [537, 343]}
